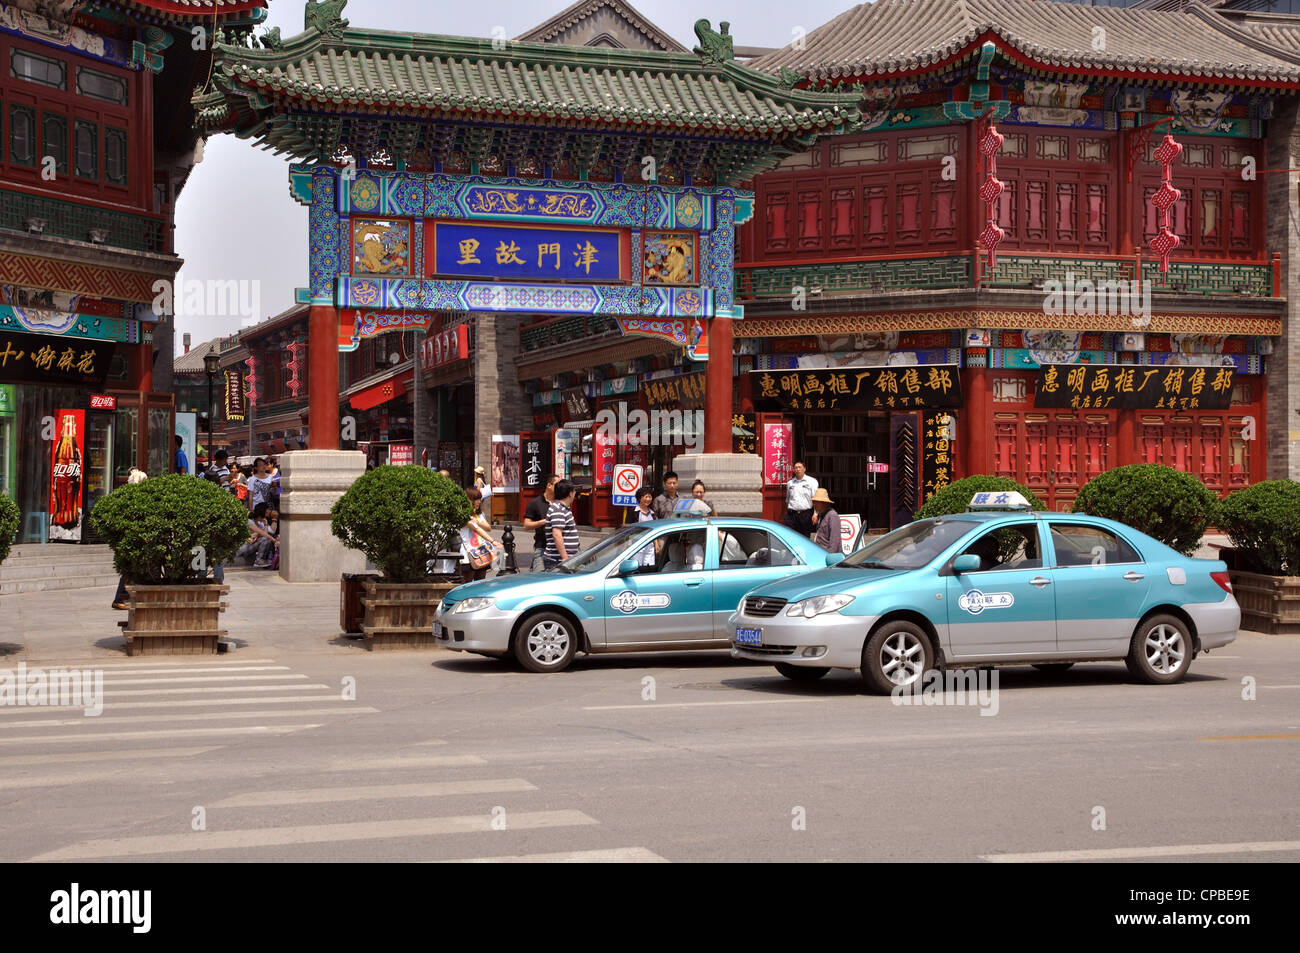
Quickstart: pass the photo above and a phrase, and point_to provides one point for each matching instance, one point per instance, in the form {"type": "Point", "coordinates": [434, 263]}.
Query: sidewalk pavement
{"type": "Point", "coordinates": [265, 615]}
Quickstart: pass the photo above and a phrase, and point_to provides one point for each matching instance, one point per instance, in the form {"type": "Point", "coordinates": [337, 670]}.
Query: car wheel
{"type": "Point", "coordinates": [1053, 668]}
{"type": "Point", "coordinates": [800, 673]}
{"type": "Point", "coordinates": [898, 655]}
{"type": "Point", "coordinates": [1161, 651]}
{"type": "Point", "coordinates": [546, 642]}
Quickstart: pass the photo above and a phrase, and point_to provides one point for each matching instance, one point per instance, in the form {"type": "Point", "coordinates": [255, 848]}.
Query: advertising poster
{"type": "Point", "coordinates": [65, 477]}
{"type": "Point", "coordinates": [565, 442]}
{"type": "Point", "coordinates": [186, 426]}
{"type": "Point", "coordinates": [778, 440]}
{"type": "Point", "coordinates": [400, 454]}
{"type": "Point", "coordinates": [505, 463]}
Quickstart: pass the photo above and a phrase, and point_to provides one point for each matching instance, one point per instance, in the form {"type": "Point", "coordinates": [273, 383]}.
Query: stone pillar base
{"type": "Point", "coordinates": [310, 482]}
{"type": "Point", "coordinates": [733, 481]}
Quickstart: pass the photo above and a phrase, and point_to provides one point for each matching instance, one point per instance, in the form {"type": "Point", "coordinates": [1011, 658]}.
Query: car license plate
{"type": "Point", "coordinates": [749, 636]}
{"type": "Point", "coordinates": [437, 630]}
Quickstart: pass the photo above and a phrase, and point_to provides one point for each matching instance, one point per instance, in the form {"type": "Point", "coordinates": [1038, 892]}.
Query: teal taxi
{"type": "Point", "coordinates": [1001, 584]}
{"type": "Point", "coordinates": [666, 584]}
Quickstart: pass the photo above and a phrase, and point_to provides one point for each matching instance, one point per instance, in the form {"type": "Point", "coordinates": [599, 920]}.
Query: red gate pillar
{"type": "Point", "coordinates": [976, 424]}
{"type": "Point", "coordinates": [718, 385]}
{"type": "Point", "coordinates": [323, 377]}
{"type": "Point", "coordinates": [1126, 438]}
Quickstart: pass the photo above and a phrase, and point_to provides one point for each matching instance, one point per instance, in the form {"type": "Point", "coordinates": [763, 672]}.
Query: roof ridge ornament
{"type": "Point", "coordinates": [325, 17]}
{"type": "Point", "coordinates": [715, 49]}
{"type": "Point", "coordinates": [789, 78]}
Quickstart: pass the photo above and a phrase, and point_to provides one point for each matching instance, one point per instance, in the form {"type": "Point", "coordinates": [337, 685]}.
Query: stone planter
{"type": "Point", "coordinates": [174, 620]}
{"type": "Point", "coordinates": [1268, 603]}
{"type": "Point", "coordinates": [399, 615]}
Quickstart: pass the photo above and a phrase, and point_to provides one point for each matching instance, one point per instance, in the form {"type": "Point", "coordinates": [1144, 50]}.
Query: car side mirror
{"type": "Point", "coordinates": [966, 562]}
{"type": "Point", "coordinates": [628, 567]}
{"type": "Point", "coordinates": [833, 558]}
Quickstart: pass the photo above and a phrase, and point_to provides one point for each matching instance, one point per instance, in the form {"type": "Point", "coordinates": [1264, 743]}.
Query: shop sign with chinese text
{"type": "Point", "coordinates": [778, 445]}
{"type": "Point", "coordinates": [1134, 387]}
{"type": "Point", "coordinates": [685, 392]}
{"type": "Point", "coordinates": [36, 359]}
{"type": "Point", "coordinates": [528, 252]}
{"type": "Point", "coordinates": [857, 389]}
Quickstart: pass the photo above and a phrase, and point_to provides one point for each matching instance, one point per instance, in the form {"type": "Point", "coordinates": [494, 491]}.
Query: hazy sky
{"type": "Point", "coordinates": [235, 219]}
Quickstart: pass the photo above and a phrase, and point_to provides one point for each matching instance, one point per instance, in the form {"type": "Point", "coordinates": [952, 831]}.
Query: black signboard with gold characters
{"type": "Point", "coordinates": [1130, 387]}
{"type": "Point", "coordinates": [37, 359]}
{"type": "Point", "coordinates": [686, 391]}
{"type": "Point", "coordinates": [860, 388]}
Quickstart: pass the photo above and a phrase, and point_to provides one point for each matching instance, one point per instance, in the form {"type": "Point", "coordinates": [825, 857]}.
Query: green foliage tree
{"type": "Point", "coordinates": [1167, 504]}
{"type": "Point", "coordinates": [1263, 522]}
{"type": "Point", "coordinates": [9, 517]}
{"type": "Point", "coordinates": [956, 497]}
{"type": "Point", "coordinates": [157, 528]}
{"type": "Point", "coordinates": [400, 517]}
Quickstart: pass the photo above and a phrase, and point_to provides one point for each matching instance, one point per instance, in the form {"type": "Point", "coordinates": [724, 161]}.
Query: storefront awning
{"type": "Point", "coordinates": [379, 394]}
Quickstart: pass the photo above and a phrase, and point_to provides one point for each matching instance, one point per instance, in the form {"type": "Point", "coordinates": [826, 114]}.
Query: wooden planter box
{"type": "Point", "coordinates": [399, 615]}
{"type": "Point", "coordinates": [1268, 603]}
{"type": "Point", "coordinates": [174, 620]}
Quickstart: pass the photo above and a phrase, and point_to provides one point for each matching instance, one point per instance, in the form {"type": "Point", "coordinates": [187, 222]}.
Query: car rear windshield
{"type": "Point", "coordinates": [911, 547]}
{"type": "Point", "coordinates": [604, 552]}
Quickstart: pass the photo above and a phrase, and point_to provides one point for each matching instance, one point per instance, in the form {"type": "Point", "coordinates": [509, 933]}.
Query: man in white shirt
{"type": "Point", "coordinates": [799, 491]}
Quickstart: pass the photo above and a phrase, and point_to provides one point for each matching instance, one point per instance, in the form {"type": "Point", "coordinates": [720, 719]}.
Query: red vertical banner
{"type": "Point", "coordinates": [65, 476]}
{"type": "Point", "coordinates": [603, 452]}
{"type": "Point", "coordinates": [778, 445]}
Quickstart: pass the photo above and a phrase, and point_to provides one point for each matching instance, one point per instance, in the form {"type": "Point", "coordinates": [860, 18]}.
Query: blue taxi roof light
{"type": "Point", "coordinates": [690, 509]}
{"type": "Point", "coordinates": [999, 500]}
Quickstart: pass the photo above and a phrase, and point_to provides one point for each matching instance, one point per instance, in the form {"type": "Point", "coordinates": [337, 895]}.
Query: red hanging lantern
{"type": "Point", "coordinates": [990, 190]}
{"type": "Point", "coordinates": [294, 384]}
{"type": "Point", "coordinates": [1164, 199]}
{"type": "Point", "coordinates": [250, 380]}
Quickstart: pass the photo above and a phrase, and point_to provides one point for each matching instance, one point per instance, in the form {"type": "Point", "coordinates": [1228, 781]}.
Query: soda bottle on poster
{"type": "Point", "coordinates": [66, 478]}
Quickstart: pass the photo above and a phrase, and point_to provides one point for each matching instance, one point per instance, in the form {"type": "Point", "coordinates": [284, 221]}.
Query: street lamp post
{"type": "Point", "coordinates": [211, 365]}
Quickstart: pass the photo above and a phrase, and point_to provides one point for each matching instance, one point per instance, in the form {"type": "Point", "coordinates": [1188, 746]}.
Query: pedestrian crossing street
{"type": "Point", "coordinates": [176, 732]}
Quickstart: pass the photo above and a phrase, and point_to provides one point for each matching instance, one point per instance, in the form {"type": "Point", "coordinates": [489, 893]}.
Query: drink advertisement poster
{"type": "Point", "coordinates": [778, 440]}
{"type": "Point", "coordinates": [65, 477]}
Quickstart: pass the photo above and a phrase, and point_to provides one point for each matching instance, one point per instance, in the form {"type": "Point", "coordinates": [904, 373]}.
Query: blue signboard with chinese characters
{"type": "Point", "coordinates": [528, 252]}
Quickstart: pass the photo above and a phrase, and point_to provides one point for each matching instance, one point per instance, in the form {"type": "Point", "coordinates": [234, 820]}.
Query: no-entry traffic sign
{"type": "Point", "coordinates": [627, 480]}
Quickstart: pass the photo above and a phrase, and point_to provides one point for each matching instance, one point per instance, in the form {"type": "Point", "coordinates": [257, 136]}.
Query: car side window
{"type": "Point", "coordinates": [682, 552]}
{"type": "Point", "coordinates": [1078, 545]}
{"type": "Point", "coordinates": [740, 548]}
{"type": "Point", "coordinates": [1008, 547]}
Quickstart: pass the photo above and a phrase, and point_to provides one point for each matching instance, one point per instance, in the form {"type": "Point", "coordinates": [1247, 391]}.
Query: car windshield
{"type": "Point", "coordinates": [910, 547]}
{"type": "Point", "coordinates": [603, 553]}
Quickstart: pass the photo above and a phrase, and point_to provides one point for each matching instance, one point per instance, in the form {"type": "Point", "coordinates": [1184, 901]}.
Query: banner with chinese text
{"type": "Point", "coordinates": [36, 359]}
{"type": "Point", "coordinates": [533, 461]}
{"type": "Point", "coordinates": [778, 445]}
{"type": "Point", "coordinates": [685, 391]}
{"type": "Point", "coordinates": [860, 388]}
{"type": "Point", "coordinates": [939, 449]}
{"type": "Point", "coordinates": [234, 396]}
{"type": "Point", "coordinates": [1134, 387]}
{"type": "Point", "coordinates": [528, 252]}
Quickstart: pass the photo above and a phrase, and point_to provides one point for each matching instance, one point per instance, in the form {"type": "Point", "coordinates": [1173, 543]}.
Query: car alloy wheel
{"type": "Point", "coordinates": [545, 643]}
{"type": "Point", "coordinates": [1160, 652]}
{"type": "Point", "coordinates": [896, 656]}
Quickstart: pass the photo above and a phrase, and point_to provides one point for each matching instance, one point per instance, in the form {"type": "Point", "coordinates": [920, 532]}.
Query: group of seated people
{"type": "Point", "coordinates": [263, 546]}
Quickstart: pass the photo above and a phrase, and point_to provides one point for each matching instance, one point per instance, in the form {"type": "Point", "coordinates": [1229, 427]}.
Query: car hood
{"type": "Point", "coordinates": [825, 582]}
{"type": "Point", "coordinates": [517, 587]}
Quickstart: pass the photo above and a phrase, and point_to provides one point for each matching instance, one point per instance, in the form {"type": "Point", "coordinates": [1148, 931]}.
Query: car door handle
{"type": "Point", "coordinates": [1132, 576]}
{"type": "Point", "coordinates": [692, 583]}
{"type": "Point", "coordinates": [1040, 581]}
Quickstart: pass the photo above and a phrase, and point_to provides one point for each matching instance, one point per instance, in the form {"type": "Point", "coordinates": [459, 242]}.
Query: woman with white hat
{"type": "Point", "coordinates": [827, 522]}
{"type": "Point", "coordinates": [484, 487]}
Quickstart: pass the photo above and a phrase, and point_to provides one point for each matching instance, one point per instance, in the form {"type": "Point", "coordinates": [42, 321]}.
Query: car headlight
{"type": "Point", "coordinates": [818, 605]}
{"type": "Point", "coordinates": [473, 604]}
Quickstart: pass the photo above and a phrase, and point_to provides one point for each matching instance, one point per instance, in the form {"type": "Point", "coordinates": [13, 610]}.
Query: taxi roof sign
{"type": "Point", "coordinates": [999, 500]}
{"type": "Point", "coordinates": [692, 509]}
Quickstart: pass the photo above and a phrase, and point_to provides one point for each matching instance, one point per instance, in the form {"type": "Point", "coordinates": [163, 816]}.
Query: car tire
{"type": "Point", "coordinates": [546, 642]}
{"type": "Point", "coordinates": [1161, 651]}
{"type": "Point", "coordinates": [896, 645]}
{"type": "Point", "coordinates": [801, 673]}
{"type": "Point", "coordinates": [1053, 668]}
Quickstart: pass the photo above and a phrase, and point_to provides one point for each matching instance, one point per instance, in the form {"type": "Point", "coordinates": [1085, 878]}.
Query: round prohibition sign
{"type": "Point", "coordinates": [627, 481]}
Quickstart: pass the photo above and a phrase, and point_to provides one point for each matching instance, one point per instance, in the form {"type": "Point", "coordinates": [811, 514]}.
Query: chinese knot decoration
{"type": "Point", "coordinates": [1165, 240]}
{"type": "Point", "coordinates": [250, 380]}
{"type": "Point", "coordinates": [990, 190]}
{"type": "Point", "coordinates": [294, 384]}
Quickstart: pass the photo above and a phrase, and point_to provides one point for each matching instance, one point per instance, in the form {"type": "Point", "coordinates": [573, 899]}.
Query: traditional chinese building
{"type": "Point", "coordinates": [1062, 241]}
{"type": "Point", "coordinates": [88, 182]}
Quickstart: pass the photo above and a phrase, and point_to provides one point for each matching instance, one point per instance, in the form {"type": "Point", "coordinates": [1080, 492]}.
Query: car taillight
{"type": "Point", "coordinates": [1224, 581]}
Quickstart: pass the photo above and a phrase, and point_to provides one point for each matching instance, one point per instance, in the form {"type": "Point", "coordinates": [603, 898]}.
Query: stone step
{"type": "Point", "coordinates": [68, 570]}
{"type": "Point", "coordinates": [57, 550]}
{"type": "Point", "coordinates": [14, 587]}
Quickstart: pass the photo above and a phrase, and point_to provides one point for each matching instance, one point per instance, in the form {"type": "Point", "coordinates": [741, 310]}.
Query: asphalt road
{"type": "Point", "coordinates": [449, 757]}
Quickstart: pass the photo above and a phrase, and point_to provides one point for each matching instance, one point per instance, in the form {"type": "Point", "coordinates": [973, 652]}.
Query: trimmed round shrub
{"type": "Point", "coordinates": [1263, 522]}
{"type": "Point", "coordinates": [1166, 504]}
{"type": "Point", "coordinates": [956, 497]}
{"type": "Point", "coordinates": [8, 524]}
{"type": "Point", "coordinates": [400, 517]}
{"type": "Point", "coordinates": [153, 528]}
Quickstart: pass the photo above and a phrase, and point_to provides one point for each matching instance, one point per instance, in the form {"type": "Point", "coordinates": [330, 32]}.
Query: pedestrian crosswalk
{"type": "Point", "coordinates": [280, 765]}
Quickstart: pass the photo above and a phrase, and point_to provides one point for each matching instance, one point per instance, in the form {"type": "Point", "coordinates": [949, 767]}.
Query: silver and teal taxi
{"type": "Point", "coordinates": [993, 587]}
{"type": "Point", "coordinates": [662, 584]}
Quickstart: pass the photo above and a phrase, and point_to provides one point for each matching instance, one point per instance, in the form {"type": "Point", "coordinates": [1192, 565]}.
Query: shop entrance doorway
{"type": "Point", "coordinates": [836, 448]}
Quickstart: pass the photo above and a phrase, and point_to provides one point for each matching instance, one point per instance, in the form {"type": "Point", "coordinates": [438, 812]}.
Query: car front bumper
{"type": "Point", "coordinates": [794, 641]}
{"type": "Point", "coordinates": [1216, 622]}
{"type": "Point", "coordinates": [487, 630]}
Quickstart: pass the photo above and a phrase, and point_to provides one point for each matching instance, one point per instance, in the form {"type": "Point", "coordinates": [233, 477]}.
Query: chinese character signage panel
{"type": "Point", "coordinates": [684, 392]}
{"type": "Point", "coordinates": [528, 252]}
{"type": "Point", "coordinates": [938, 451]}
{"type": "Point", "coordinates": [234, 396]}
{"type": "Point", "coordinates": [778, 446]}
{"type": "Point", "coordinates": [856, 389]}
{"type": "Point", "coordinates": [533, 460]}
{"type": "Point", "coordinates": [1134, 387]}
{"type": "Point", "coordinates": [36, 359]}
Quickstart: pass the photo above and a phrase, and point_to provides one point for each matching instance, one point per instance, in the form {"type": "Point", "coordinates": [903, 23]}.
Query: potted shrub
{"type": "Point", "coordinates": [400, 517]}
{"type": "Point", "coordinates": [164, 533]}
{"type": "Point", "coordinates": [1166, 504]}
{"type": "Point", "coordinates": [956, 497]}
{"type": "Point", "coordinates": [9, 517]}
{"type": "Point", "coordinates": [1263, 522]}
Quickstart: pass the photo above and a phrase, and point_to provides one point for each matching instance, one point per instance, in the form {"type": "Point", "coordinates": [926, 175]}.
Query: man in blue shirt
{"type": "Point", "coordinates": [179, 463]}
